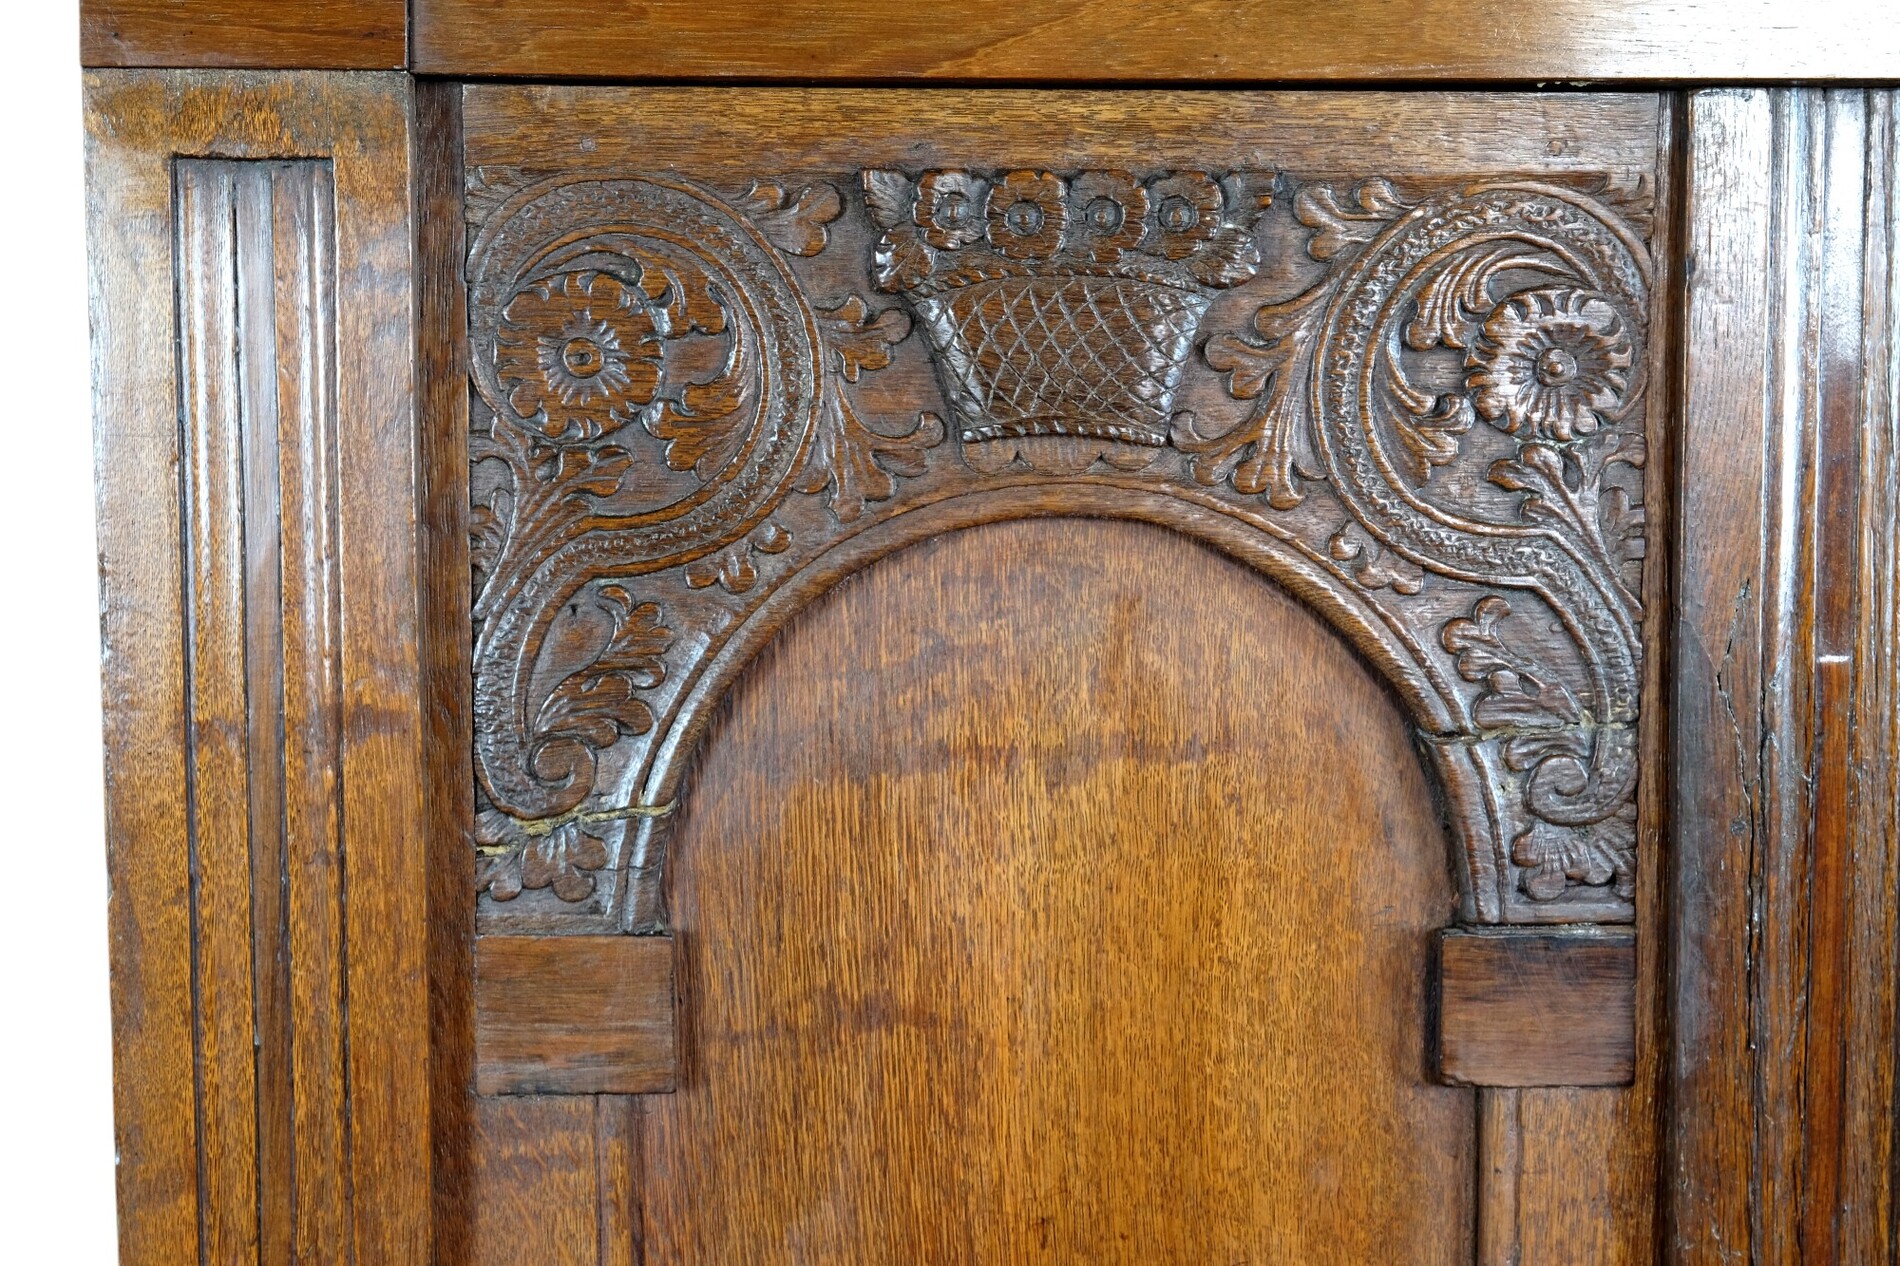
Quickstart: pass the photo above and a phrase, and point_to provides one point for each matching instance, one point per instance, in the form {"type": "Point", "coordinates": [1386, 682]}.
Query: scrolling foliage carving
{"type": "Point", "coordinates": [1420, 409]}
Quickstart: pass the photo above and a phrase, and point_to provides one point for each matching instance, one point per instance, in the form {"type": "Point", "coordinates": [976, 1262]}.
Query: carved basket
{"type": "Point", "coordinates": [1062, 352]}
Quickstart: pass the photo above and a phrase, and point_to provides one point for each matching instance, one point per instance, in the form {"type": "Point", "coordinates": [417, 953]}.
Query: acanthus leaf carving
{"type": "Point", "coordinates": [794, 220]}
{"type": "Point", "coordinates": [1060, 319]}
{"type": "Point", "coordinates": [1262, 453]}
{"type": "Point", "coordinates": [851, 462]}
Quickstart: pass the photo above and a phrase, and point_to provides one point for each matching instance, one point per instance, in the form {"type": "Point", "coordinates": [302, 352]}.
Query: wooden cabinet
{"type": "Point", "coordinates": [765, 674]}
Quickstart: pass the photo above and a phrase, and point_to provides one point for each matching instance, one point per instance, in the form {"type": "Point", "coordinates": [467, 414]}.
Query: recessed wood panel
{"type": "Point", "coordinates": [1058, 889]}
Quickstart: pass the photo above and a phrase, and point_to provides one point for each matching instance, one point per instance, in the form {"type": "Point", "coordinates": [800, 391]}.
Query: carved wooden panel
{"type": "Point", "coordinates": [1418, 402]}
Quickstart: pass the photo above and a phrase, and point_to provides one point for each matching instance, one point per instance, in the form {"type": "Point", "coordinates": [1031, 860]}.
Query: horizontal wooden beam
{"type": "Point", "coordinates": [246, 34]}
{"type": "Point", "coordinates": [577, 1015]}
{"type": "Point", "coordinates": [1101, 41]}
{"type": "Point", "coordinates": [998, 41]}
{"type": "Point", "coordinates": [1520, 1008]}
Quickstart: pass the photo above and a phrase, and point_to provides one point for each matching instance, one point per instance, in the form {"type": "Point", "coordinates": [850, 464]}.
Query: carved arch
{"type": "Point", "coordinates": [672, 453]}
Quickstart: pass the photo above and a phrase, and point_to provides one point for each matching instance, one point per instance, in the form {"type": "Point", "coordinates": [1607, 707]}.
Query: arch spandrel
{"type": "Point", "coordinates": [1421, 410]}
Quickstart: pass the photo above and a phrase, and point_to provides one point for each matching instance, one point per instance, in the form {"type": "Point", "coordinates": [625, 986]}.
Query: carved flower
{"type": "Point", "coordinates": [1187, 211]}
{"type": "Point", "coordinates": [1111, 209]}
{"type": "Point", "coordinates": [579, 353]}
{"type": "Point", "coordinates": [1553, 360]}
{"type": "Point", "coordinates": [1028, 214]}
{"type": "Point", "coordinates": [949, 209]}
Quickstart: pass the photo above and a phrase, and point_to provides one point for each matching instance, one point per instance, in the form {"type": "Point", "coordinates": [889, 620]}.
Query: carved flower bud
{"type": "Point", "coordinates": [1110, 213]}
{"type": "Point", "coordinates": [950, 209]}
{"type": "Point", "coordinates": [1187, 207]}
{"type": "Point", "coordinates": [1553, 361]}
{"type": "Point", "coordinates": [579, 354]}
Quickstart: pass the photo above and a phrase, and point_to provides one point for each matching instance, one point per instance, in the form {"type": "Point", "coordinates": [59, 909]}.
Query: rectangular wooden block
{"type": "Point", "coordinates": [576, 1015]}
{"type": "Point", "coordinates": [1542, 1008]}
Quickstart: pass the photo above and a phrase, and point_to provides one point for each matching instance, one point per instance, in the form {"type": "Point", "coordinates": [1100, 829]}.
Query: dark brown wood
{"type": "Point", "coordinates": [246, 34]}
{"type": "Point", "coordinates": [258, 579]}
{"type": "Point", "coordinates": [924, 826]}
{"type": "Point", "coordinates": [640, 532]}
{"type": "Point", "coordinates": [442, 464]}
{"type": "Point", "coordinates": [1537, 1009]}
{"type": "Point", "coordinates": [1783, 1075]}
{"type": "Point", "coordinates": [1209, 41]}
{"type": "Point", "coordinates": [577, 1015]}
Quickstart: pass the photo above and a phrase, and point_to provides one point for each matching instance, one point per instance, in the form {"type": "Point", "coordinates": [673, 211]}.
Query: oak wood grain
{"type": "Point", "coordinates": [574, 1015]}
{"type": "Point", "coordinates": [274, 673]}
{"type": "Point", "coordinates": [535, 1182]}
{"type": "Point", "coordinates": [1534, 1009]}
{"type": "Point", "coordinates": [600, 138]}
{"type": "Point", "coordinates": [1870, 940]}
{"type": "Point", "coordinates": [238, 34]}
{"type": "Point", "coordinates": [1783, 977]}
{"type": "Point", "coordinates": [1058, 887]}
{"type": "Point", "coordinates": [442, 465]}
{"type": "Point", "coordinates": [769, 131]}
{"type": "Point", "coordinates": [1071, 41]}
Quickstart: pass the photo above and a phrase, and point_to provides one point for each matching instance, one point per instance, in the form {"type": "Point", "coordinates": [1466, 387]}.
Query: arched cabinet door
{"type": "Point", "coordinates": [1164, 885]}
{"type": "Point", "coordinates": [734, 676]}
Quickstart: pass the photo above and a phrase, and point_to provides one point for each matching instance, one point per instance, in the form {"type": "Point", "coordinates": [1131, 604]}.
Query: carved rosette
{"type": "Point", "coordinates": [1436, 442]}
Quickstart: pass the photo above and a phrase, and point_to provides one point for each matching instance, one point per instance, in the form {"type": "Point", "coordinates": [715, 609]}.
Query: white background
{"type": "Point", "coordinates": [56, 1199]}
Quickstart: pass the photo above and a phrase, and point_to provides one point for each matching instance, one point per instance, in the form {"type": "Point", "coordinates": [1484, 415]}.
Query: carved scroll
{"type": "Point", "coordinates": [698, 407]}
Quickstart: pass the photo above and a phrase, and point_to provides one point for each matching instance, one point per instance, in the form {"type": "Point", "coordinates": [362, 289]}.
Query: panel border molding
{"type": "Point", "coordinates": [250, 273]}
{"type": "Point", "coordinates": [1786, 686]}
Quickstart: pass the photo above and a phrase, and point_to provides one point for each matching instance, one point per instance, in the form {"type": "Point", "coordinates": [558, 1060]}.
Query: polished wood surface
{"type": "Point", "coordinates": [263, 752]}
{"type": "Point", "coordinates": [1785, 730]}
{"type": "Point", "coordinates": [578, 1015]}
{"type": "Point", "coordinates": [255, 34]}
{"type": "Point", "coordinates": [640, 531]}
{"type": "Point", "coordinates": [1065, 889]}
{"type": "Point", "coordinates": [1207, 41]}
{"type": "Point", "coordinates": [762, 132]}
{"type": "Point", "coordinates": [449, 793]}
{"type": "Point", "coordinates": [1537, 1009]}
{"type": "Point", "coordinates": [920, 855]}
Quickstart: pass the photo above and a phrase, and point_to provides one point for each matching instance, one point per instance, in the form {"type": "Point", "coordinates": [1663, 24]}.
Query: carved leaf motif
{"type": "Point", "coordinates": [574, 472]}
{"type": "Point", "coordinates": [1452, 306]}
{"type": "Point", "coordinates": [854, 462]}
{"type": "Point", "coordinates": [859, 464]}
{"type": "Point", "coordinates": [859, 339]}
{"type": "Point", "coordinates": [1624, 525]}
{"type": "Point", "coordinates": [1229, 257]}
{"type": "Point", "coordinates": [1259, 454]}
{"type": "Point", "coordinates": [1378, 566]}
{"type": "Point", "coordinates": [889, 195]}
{"type": "Point", "coordinates": [1554, 857]}
{"type": "Point", "coordinates": [490, 524]}
{"type": "Point", "coordinates": [597, 705]}
{"type": "Point", "coordinates": [1346, 221]}
{"type": "Point", "coordinates": [732, 568]}
{"type": "Point", "coordinates": [902, 260]}
{"type": "Point", "coordinates": [793, 221]}
{"type": "Point", "coordinates": [1428, 426]}
{"type": "Point", "coordinates": [565, 859]}
{"type": "Point", "coordinates": [1516, 696]}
